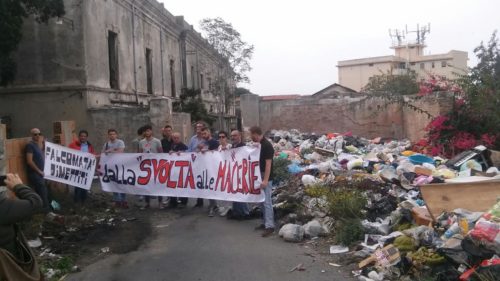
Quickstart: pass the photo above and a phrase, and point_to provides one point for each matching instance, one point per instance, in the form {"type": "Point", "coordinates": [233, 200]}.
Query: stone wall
{"type": "Point", "coordinates": [362, 115]}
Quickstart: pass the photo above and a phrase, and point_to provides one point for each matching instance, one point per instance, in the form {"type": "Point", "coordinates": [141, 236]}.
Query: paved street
{"type": "Point", "coordinates": [196, 247]}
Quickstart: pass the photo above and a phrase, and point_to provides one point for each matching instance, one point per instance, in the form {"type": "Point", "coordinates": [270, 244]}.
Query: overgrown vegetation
{"type": "Point", "coordinates": [280, 170]}
{"type": "Point", "coordinates": [58, 268]}
{"type": "Point", "coordinates": [12, 15]}
{"type": "Point", "coordinates": [346, 206]}
{"type": "Point", "coordinates": [474, 118]}
{"type": "Point", "coordinates": [349, 231]}
{"type": "Point", "coordinates": [190, 102]}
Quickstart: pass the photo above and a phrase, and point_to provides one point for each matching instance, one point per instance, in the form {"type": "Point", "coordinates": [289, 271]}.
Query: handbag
{"type": "Point", "coordinates": [21, 267]}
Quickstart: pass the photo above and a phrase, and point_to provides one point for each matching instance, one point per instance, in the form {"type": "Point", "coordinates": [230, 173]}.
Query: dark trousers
{"type": "Point", "coordinates": [173, 201]}
{"type": "Point", "coordinates": [148, 199]}
{"type": "Point", "coordinates": [80, 195]}
{"type": "Point", "coordinates": [38, 183]}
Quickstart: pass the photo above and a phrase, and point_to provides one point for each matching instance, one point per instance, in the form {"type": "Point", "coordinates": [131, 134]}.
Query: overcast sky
{"type": "Point", "coordinates": [298, 43]}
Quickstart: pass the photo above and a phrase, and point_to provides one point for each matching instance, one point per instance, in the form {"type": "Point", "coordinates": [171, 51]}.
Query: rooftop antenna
{"type": "Point", "coordinates": [397, 36]}
{"type": "Point", "coordinates": [421, 33]}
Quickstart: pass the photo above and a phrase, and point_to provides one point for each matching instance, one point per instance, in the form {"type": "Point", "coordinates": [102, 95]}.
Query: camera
{"type": "Point", "coordinates": [2, 180]}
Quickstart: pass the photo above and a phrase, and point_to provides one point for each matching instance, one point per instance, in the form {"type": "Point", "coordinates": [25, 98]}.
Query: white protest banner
{"type": "Point", "coordinates": [231, 175]}
{"type": "Point", "coordinates": [69, 166]}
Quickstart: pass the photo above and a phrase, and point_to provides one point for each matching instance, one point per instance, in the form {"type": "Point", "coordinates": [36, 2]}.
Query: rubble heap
{"type": "Point", "coordinates": [379, 200]}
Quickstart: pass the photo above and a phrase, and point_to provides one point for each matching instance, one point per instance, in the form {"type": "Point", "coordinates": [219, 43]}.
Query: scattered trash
{"type": "Point", "coordinates": [299, 267]}
{"type": "Point", "coordinates": [105, 250]}
{"type": "Point", "coordinates": [35, 243]}
{"type": "Point", "coordinates": [292, 232]}
{"type": "Point", "coordinates": [162, 226]}
{"type": "Point", "coordinates": [336, 249]}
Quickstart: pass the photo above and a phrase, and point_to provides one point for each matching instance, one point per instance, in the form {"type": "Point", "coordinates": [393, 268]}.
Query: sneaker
{"type": "Point", "coordinates": [268, 232]}
{"type": "Point", "coordinates": [211, 212]}
{"type": "Point", "coordinates": [260, 227]}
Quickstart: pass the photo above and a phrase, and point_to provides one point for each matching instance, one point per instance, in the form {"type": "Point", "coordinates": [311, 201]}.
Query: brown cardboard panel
{"type": "Point", "coordinates": [476, 196]}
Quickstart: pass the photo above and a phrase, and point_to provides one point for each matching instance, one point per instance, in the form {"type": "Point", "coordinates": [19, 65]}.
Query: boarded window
{"type": "Point", "coordinates": [193, 78]}
{"type": "Point", "coordinates": [113, 59]}
{"type": "Point", "coordinates": [172, 78]}
{"type": "Point", "coordinates": [149, 70]}
{"type": "Point", "coordinates": [443, 64]}
{"type": "Point", "coordinates": [422, 65]}
{"type": "Point", "coordinates": [432, 65]}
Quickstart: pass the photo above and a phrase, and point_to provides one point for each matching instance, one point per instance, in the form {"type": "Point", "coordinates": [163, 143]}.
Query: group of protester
{"type": "Point", "coordinates": [171, 142]}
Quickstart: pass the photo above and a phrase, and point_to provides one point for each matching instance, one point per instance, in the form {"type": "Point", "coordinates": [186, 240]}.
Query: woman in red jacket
{"type": "Point", "coordinates": [82, 145]}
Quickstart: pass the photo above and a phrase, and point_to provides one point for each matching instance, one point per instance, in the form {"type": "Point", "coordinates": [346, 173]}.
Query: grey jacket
{"type": "Point", "coordinates": [13, 211]}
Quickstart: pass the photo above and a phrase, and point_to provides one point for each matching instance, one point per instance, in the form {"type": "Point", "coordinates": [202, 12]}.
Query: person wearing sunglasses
{"type": "Point", "coordinates": [35, 163]}
{"type": "Point", "coordinates": [223, 142]}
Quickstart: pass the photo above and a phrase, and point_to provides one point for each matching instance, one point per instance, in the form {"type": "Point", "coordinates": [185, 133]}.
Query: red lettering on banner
{"type": "Point", "coordinates": [229, 183]}
{"type": "Point", "coordinates": [235, 170]}
{"type": "Point", "coordinates": [170, 182]}
{"type": "Point", "coordinates": [181, 164]}
{"type": "Point", "coordinates": [162, 172]}
{"type": "Point", "coordinates": [239, 174]}
{"type": "Point", "coordinates": [220, 176]}
{"type": "Point", "coordinates": [189, 178]}
{"type": "Point", "coordinates": [244, 176]}
{"type": "Point", "coordinates": [253, 166]}
{"type": "Point", "coordinates": [145, 167]}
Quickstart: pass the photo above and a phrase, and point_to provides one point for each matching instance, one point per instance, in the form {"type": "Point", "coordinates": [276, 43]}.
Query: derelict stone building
{"type": "Point", "coordinates": [113, 64]}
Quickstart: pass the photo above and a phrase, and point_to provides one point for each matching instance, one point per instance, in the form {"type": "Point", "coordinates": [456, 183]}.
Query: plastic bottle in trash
{"type": "Point", "coordinates": [454, 229]}
{"type": "Point", "coordinates": [464, 225]}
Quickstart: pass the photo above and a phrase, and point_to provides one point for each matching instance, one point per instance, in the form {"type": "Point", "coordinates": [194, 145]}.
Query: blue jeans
{"type": "Point", "coordinates": [267, 207]}
{"type": "Point", "coordinates": [241, 209]}
{"type": "Point", "coordinates": [119, 197]}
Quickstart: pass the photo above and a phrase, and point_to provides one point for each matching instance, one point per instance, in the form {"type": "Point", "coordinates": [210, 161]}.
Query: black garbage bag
{"type": "Point", "coordinates": [456, 256]}
{"type": "Point", "coordinates": [477, 251]}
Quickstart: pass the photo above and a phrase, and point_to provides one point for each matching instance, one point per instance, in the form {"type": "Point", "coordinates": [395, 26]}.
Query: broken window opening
{"type": "Point", "coordinates": [149, 71]}
{"type": "Point", "coordinates": [113, 60]}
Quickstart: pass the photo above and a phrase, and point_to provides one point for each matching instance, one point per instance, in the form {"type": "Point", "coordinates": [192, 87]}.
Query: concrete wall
{"type": "Point", "coordinates": [51, 54]}
{"type": "Point", "coordinates": [357, 76]}
{"type": "Point", "coordinates": [181, 122]}
{"type": "Point", "coordinates": [250, 111]}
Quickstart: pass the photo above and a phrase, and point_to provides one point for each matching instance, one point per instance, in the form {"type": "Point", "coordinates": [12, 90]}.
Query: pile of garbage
{"type": "Point", "coordinates": [400, 214]}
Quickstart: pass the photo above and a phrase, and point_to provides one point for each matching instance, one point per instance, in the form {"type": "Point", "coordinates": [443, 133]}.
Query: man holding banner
{"type": "Point", "coordinates": [35, 166]}
{"type": "Point", "coordinates": [115, 145]}
{"type": "Point", "coordinates": [150, 144]}
{"type": "Point", "coordinates": [266, 168]}
{"type": "Point", "coordinates": [82, 144]}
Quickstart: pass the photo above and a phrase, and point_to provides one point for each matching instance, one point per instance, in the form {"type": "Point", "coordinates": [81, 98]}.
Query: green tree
{"type": "Point", "coordinates": [482, 90]}
{"type": "Point", "coordinates": [190, 102]}
{"type": "Point", "coordinates": [12, 15]}
{"type": "Point", "coordinates": [393, 85]}
{"type": "Point", "coordinates": [474, 118]}
{"type": "Point", "coordinates": [227, 41]}
{"type": "Point", "coordinates": [241, 91]}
